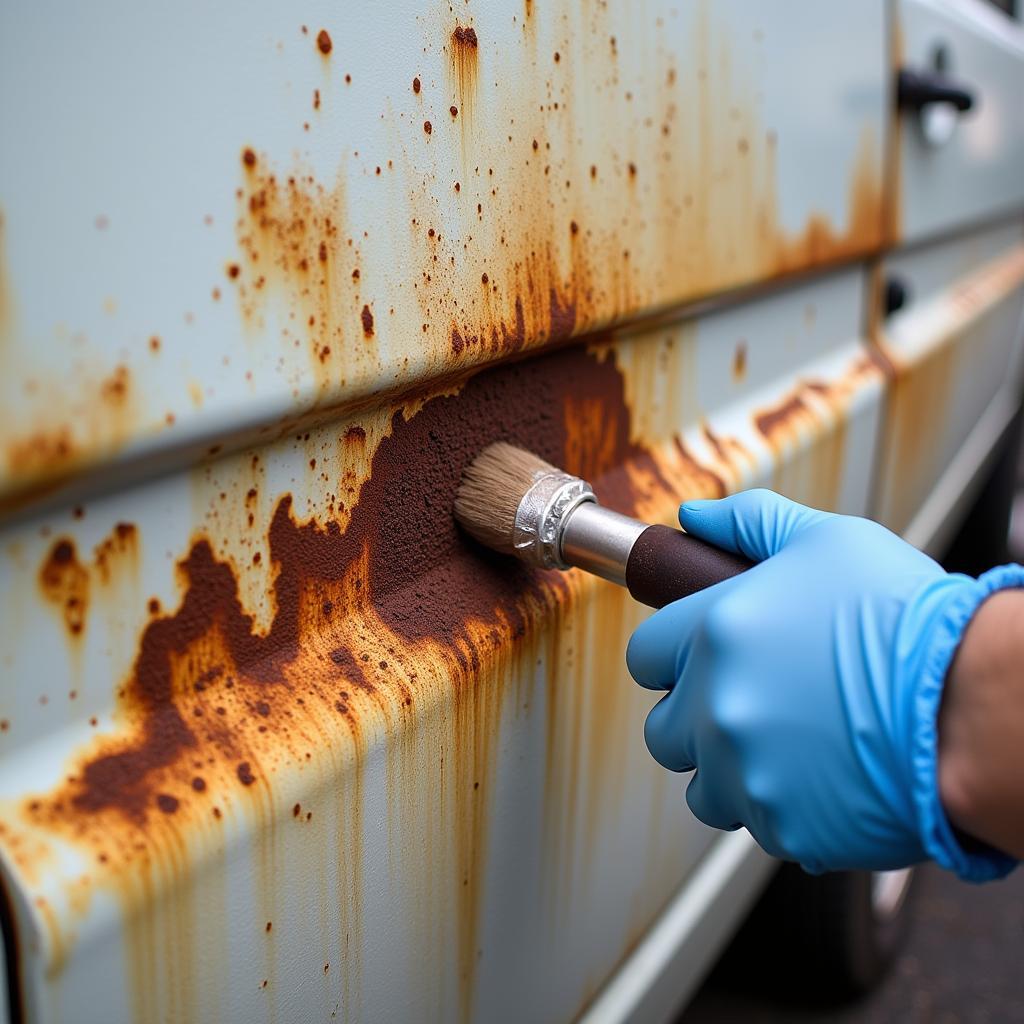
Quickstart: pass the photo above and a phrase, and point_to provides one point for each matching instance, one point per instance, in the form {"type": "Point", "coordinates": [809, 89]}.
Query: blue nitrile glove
{"type": "Point", "coordinates": [805, 691]}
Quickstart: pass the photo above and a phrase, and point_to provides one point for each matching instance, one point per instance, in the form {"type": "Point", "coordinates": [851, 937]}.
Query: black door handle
{"type": "Point", "coordinates": [916, 89]}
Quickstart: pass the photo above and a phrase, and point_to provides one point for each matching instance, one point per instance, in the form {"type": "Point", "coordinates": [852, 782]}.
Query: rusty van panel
{"type": "Point", "coordinates": [287, 213]}
{"type": "Point", "coordinates": [273, 735]}
{"type": "Point", "coordinates": [951, 356]}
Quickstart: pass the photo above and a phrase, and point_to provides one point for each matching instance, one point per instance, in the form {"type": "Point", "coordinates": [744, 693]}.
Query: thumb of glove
{"type": "Point", "coordinates": [758, 523]}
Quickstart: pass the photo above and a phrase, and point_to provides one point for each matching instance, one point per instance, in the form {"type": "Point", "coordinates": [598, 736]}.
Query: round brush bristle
{"type": "Point", "coordinates": [491, 489]}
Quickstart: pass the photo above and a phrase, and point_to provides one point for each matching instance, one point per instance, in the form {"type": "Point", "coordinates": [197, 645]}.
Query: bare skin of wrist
{"type": "Point", "coordinates": [981, 727]}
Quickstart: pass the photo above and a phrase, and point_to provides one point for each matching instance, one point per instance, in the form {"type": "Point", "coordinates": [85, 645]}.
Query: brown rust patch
{"type": "Point", "coordinates": [779, 420]}
{"type": "Point", "coordinates": [323, 42]}
{"type": "Point", "coordinates": [200, 670]}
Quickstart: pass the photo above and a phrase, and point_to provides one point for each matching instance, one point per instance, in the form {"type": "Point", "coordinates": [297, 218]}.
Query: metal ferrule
{"type": "Point", "coordinates": [600, 540]}
{"type": "Point", "coordinates": [559, 524]}
{"type": "Point", "coordinates": [537, 534]}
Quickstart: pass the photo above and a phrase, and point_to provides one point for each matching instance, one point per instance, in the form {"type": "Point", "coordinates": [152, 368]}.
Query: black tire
{"type": "Point", "coordinates": [822, 939]}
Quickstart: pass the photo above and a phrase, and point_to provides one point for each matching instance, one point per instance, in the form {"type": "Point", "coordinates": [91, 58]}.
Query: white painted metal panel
{"type": "Point", "coordinates": [609, 161]}
{"type": "Point", "coordinates": [979, 173]}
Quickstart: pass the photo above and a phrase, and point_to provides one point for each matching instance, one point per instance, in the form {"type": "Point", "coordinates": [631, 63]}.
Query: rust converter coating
{"type": "Point", "coordinates": [401, 562]}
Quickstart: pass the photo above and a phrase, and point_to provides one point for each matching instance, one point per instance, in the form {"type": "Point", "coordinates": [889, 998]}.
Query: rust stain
{"type": "Point", "coordinates": [807, 433]}
{"type": "Point", "coordinates": [464, 70]}
{"type": "Point", "coordinates": [323, 42]}
{"type": "Point", "coordinates": [39, 460]}
{"type": "Point", "coordinates": [820, 242]}
{"type": "Point", "coordinates": [64, 582]}
{"type": "Point", "coordinates": [913, 426]}
{"type": "Point", "coordinates": [892, 198]}
{"type": "Point", "coordinates": [739, 362]}
{"type": "Point", "coordinates": [291, 233]}
{"type": "Point", "coordinates": [779, 422]}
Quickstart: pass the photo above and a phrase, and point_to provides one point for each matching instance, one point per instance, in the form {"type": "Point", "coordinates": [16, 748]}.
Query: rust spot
{"type": "Point", "coordinates": [167, 803]}
{"type": "Point", "coordinates": [64, 582]}
{"type": "Point", "coordinates": [416, 85]}
{"type": "Point", "coordinates": [245, 775]}
{"type": "Point", "coordinates": [114, 389]}
{"type": "Point", "coordinates": [739, 362]}
{"type": "Point", "coordinates": [367, 318]}
{"type": "Point", "coordinates": [154, 344]}
{"type": "Point", "coordinates": [427, 127]}
{"type": "Point", "coordinates": [248, 158]}
{"type": "Point", "coordinates": [453, 110]}
{"type": "Point", "coordinates": [323, 42]}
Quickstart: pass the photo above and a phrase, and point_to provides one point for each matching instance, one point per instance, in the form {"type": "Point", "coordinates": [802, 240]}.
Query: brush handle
{"type": "Point", "coordinates": [665, 565]}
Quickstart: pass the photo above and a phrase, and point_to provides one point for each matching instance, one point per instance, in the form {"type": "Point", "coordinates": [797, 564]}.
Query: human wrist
{"type": "Point", "coordinates": [931, 632]}
{"type": "Point", "coordinates": [978, 740]}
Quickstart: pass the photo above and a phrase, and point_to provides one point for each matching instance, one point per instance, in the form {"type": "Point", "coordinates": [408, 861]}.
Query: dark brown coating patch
{"type": "Point", "coordinates": [423, 579]}
{"type": "Point", "coordinates": [323, 42]}
{"type": "Point", "coordinates": [367, 317]}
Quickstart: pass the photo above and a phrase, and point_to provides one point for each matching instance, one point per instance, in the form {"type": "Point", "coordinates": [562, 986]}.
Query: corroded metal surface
{"type": "Point", "coordinates": [275, 742]}
{"type": "Point", "coordinates": [338, 731]}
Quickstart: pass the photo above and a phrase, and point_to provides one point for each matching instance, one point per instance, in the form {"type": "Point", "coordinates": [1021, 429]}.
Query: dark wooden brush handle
{"type": "Point", "coordinates": [665, 565]}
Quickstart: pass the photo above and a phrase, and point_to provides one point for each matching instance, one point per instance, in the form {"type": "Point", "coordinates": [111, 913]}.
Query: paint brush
{"type": "Point", "coordinates": [517, 504]}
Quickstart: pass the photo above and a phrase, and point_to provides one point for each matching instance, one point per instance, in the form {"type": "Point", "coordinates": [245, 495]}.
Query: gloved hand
{"type": "Point", "coordinates": [805, 691]}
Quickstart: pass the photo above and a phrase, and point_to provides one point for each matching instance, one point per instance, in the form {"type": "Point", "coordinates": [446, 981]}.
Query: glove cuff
{"type": "Point", "coordinates": [949, 619]}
